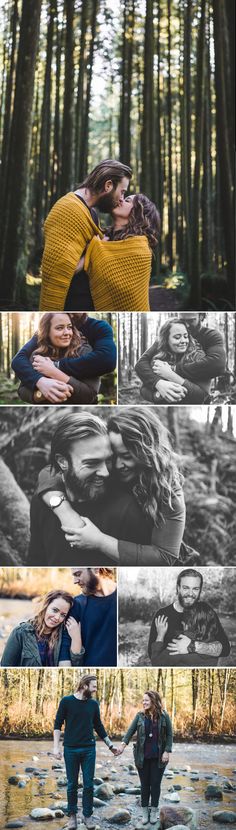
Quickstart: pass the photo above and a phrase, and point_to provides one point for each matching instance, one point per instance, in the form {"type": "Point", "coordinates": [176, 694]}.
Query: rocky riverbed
{"type": "Point", "coordinates": [198, 790]}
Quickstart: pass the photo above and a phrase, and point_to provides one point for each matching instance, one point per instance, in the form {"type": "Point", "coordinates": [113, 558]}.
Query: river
{"type": "Point", "coordinates": [216, 760]}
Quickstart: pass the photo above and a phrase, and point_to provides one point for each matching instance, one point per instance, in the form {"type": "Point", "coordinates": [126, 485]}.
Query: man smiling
{"type": "Point", "coordinates": [187, 632]}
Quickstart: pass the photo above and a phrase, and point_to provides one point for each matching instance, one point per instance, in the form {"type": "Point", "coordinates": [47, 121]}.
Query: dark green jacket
{"type": "Point", "coordinates": [21, 648]}
{"type": "Point", "coordinates": [164, 737]}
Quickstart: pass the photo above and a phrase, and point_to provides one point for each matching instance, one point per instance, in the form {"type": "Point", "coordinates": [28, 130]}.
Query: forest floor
{"type": "Point", "coordinates": [134, 636]}
{"type": "Point", "coordinates": [8, 391]}
{"type": "Point", "coordinates": [193, 767]}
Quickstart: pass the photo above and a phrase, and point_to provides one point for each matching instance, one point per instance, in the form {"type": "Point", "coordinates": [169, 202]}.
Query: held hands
{"type": "Point", "coordinates": [43, 364]}
{"type": "Point", "coordinates": [120, 749]}
{"type": "Point", "coordinates": [54, 391]}
{"type": "Point", "coordinates": [161, 624]}
{"type": "Point", "coordinates": [179, 645]}
{"type": "Point", "coordinates": [88, 536]}
{"type": "Point", "coordinates": [171, 391]}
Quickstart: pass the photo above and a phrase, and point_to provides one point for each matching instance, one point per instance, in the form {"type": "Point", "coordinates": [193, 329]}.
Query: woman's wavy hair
{"type": "Point", "coordinates": [163, 349]}
{"type": "Point", "coordinates": [202, 623]}
{"type": "Point", "coordinates": [45, 347]}
{"type": "Point", "coordinates": [156, 703]}
{"type": "Point", "coordinates": [144, 220]}
{"type": "Point", "coordinates": [38, 620]}
{"type": "Point", "coordinates": [147, 440]}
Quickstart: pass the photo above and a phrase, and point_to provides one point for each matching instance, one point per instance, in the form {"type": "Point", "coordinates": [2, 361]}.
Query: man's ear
{"type": "Point", "coordinates": [108, 186]}
{"type": "Point", "coordinates": [62, 463]}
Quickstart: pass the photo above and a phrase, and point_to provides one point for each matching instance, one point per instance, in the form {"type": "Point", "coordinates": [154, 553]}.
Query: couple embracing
{"type": "Point", "coordinates": [84, 268]}
{"type": "Point", "coordinates": [81, 715]}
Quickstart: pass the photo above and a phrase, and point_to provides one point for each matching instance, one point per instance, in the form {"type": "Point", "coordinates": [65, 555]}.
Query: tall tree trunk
{"type": "Point", "coordinates": [195, 297]}
{"type": "Point", "coordinates": [147, 137]}
{"type": "Point", "coordinates": [67, 171]}
{"type": "Point", "coordinates": [13, 265]}
{"type": "Point", "coordinates": [224, 132]}
{"type": "Point", "coordinates": [126, 82]}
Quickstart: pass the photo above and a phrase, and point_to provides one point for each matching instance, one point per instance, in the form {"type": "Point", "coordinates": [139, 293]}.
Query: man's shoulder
{"type": "Point", "coordinates": [165, 609]}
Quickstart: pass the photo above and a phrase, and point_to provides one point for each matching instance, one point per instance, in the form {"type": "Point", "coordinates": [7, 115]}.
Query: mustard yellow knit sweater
{"type": "Point", "coordinates": [68, 228]}
{"type": "Point", "coordinates": [119, 273]}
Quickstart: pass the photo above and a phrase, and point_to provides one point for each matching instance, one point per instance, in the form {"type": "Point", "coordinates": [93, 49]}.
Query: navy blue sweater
{"type": "Point", "coordinates": [98, 617]}
{"type": "Point", "coordinates": [101, 360]}
{"type": "Point", "coordinates": [81, 717]}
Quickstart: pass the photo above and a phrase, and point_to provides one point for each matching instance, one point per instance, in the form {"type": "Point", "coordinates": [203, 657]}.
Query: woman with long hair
{"type": "Point", "coordinates": [119, 265]}
{"type": "Point", "coordinates": [181, 363]}
{"type": "Point", "coordinates": [153, 728]}
{"type": "Point", "coordinates": [37, 642]}
{"type": "Point", "coordinates": [145, 466]}
{"type": "Point", "coordinates": [52, 365]}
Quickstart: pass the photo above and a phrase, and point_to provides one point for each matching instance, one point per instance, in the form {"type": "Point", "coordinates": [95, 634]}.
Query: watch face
{"type": "Point", "coordinates": [55, 501]}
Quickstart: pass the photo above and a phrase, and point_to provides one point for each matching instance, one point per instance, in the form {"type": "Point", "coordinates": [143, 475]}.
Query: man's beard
{"type": "Point", "coordinates": [92, 488]}
{"type": "Point", "coordinates": [182, 601]}
{"type": "Point", "coordinates": [107, 203]}
{"type": "Point", "coordinates": [87, 694]}
{"type": "Point", "coordinates": [91, 586]}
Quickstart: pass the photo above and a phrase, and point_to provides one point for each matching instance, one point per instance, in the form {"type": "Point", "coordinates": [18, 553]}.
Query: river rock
{"type": "Point", "coordinates": [119, 817]}
{"type": "Point", "coordinates": [133, 790]}
{"type": "Point", "coordinates": [225, 816]}
{"type": "Point", "coordinates": [15, 779]}
{"type": "Point", "coordinates": [42, 814]}
{"type": "Point", "coordinates": [172, 797]}
{"type": "Point", "coordinates": [30, 769]}
{"type": "Point", "coordinates": [228, 786]}
{"type": "Point", "coordinates": [58, 767]}
{"type": "Point", "coordinates": [104, 791]}
{"type": "Point", "coordinates": [62, 782]}
{"type": "Point", "coordinates": [213, 792]}
{"type": "Point", "coordinates": [119, 790]}
{"type": "Point", "coordinates": [194, 776]}
{"type": "Point", "coordinates": [60, 805]}
{"type": "Point", "coordinates": [21, 785]}
{"type": "Point", "coordinates": [171, 816]}
{"type": "Point", "coordinates": [58, 813]}
{"type": "Point", "coordinates": [97, 781]}
{"type": "Point", "coordinates": [15, 823]}
{"type": "Point", "coordinates": [97, 802]}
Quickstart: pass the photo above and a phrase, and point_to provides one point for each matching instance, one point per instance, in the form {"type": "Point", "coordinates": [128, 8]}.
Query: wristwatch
{"type": "Point", "coordinates": [191, 647]}
{"type": "Point", "coordinates": [55, 501]}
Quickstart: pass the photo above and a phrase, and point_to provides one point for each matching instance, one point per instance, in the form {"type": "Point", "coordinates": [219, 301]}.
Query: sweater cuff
{"type": "Point", "coordinates": [77, 659]}
{"type": "Point", "coordinates": [128, 553]}
{"type": "Point", "coordinates": [108, 742]}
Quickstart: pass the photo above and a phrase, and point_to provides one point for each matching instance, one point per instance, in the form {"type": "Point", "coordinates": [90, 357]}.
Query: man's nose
{"type": "Point", "coordinates": [103, 471]}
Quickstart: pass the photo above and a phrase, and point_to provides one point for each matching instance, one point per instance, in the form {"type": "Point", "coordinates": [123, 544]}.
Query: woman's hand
{"type": "Point", "coordinates": [171, 392]}
{"type": "Point", "coordinates": [54, 391]}
{"type": "Point", "coordinates": [88, 536]}
{"type": "Point", "coordinates": [165, 757]}
{"type": "Point", "coordinates": [80, 264]}
{"type": "Point", "coordinates": [57, 753]}
{"type": "Point", "coordinates": [161, 367]}
{"type": "Point", "coordinates": [44, 365]}
{"type": "Point", "coordinates": [74, 630]}
{"type": "Point", "coordinates": [161, 624]}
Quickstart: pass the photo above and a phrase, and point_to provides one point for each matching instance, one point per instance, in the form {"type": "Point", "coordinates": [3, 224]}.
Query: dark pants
{"type": "Point", "coordinates": [150, 776]}
{"type": "Point", "coordinates": [83, 757]}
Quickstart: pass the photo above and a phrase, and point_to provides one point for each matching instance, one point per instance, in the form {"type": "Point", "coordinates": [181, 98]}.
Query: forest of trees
{"type": "Point", "coordinates": [15, 329]}
{"type": "Point", "coordinates": [150, 83]}
{"type": "Point", "coordinates": [138, 331]}
{"type": "Point", "coordinates": [203, 437]}
{"type": "Point", "coordinates": [32, 582]}
{"type": "Point", "coordinates": [201, 702]}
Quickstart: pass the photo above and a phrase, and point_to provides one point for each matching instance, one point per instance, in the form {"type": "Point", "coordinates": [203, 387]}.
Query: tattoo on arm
{"type": "Point", "coordinates": [213, 649]}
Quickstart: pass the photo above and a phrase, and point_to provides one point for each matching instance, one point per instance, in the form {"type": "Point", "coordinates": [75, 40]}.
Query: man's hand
{"type": "Point", "coordinates": [161, 624]}
{"type": "Point", "coordinates": [115, 751]}
{"type": "Point", "coordinates": [54, 391]}
{"type": "Point", "coordinates": [179, 645]}
{"type": "Point", "coordinates": [171, 391]}
{"type": "Point", "coordinates": [120, 749]}
{"type": "Point", "coordinates": [80, 265]}
{"type": "Point", "coordinates": [74, 630]}
{"type": "Point", "coordinates": [165, 757]}
{"type": "Point", "coordinates": [44, 365]}
{"type": "Point", "coordinates": [161, 366]}
{"type": "Point", "coordinates": [88, 537]}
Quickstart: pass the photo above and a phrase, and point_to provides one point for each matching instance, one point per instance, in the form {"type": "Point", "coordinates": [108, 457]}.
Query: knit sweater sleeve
{"type": "Point", "coordinates": [101, 359]}
{"type": "Point", "coordinates": [143, 367]}
{"type": "Point", "coordinates": [60, 715]}
{"type": "Point", "coordinates": [98, 725]}
{"type": "Point", "coordinates": [212, 364]}
{"type": "Point", "coordinates": [22, 365]}
{"type": "Point", "coordinates": [166, 539]}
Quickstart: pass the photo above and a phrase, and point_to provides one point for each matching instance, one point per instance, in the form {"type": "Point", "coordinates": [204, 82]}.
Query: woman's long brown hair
{"type": "Point", "coordinates": [45, 347]}
{"type": "Point", "coordinates": [38, 620]}
{"type": "Point", "coordinates": [156, 704]}
{"type": "Point", "coordinates": [143, 220]}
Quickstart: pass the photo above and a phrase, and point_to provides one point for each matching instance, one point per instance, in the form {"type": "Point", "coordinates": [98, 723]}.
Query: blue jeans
{"type": "Point", "coordinates": [75, 758]}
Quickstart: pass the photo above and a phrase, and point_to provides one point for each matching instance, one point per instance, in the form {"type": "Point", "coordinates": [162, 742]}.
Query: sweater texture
{"type": "Point", "coordinates": [119, 273]}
